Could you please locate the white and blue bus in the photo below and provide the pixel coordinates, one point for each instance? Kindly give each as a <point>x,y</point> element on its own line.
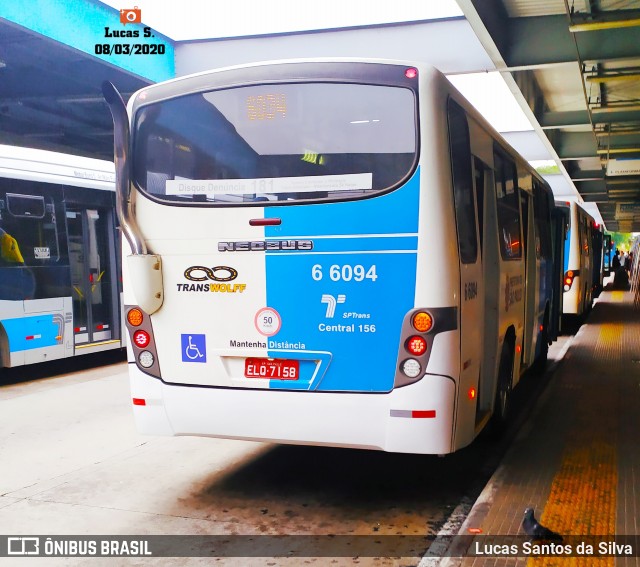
<point>327,252</point>
<point>582,267</point>
<point>60,291</point>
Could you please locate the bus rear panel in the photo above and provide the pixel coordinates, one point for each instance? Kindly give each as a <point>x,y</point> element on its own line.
<point>303,227</point>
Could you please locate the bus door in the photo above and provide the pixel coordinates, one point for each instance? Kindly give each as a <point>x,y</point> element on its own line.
<point>532,295</point>
<point>93,278</point>
<point>484,188</point>
<point>470,261</point>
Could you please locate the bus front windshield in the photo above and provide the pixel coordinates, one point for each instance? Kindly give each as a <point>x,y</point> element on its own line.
<point>276,142</point>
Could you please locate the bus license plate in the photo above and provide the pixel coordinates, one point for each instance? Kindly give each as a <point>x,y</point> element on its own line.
<point>272,368</point>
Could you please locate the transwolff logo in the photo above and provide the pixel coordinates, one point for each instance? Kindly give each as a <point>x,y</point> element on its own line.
<point>264,245</point>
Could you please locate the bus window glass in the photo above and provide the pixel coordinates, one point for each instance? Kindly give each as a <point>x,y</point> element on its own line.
<point>30,220</point>
<point>508,208</point>
<point>285,142</point>
<point>542,218</point>
<point>462,183</point>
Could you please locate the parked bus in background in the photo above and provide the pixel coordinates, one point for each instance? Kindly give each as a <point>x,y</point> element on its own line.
<point>608,255</point>
<point>327,252</point>
<point>579,264</point>
<point>59,257</point>
<point>560,222</point>
<point>597,274</point>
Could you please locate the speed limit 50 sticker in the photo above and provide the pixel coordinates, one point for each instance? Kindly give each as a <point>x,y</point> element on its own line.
<point>268,321</point>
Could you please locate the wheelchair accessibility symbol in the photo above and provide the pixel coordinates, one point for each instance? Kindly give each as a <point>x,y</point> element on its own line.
<point>194,348</point>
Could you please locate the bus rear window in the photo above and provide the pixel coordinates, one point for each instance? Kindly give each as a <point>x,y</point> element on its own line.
<point>278,143</point>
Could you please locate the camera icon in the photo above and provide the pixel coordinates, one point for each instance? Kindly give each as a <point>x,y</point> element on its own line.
<point>130,15</point>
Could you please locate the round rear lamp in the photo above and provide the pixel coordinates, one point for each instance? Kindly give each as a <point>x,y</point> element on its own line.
<point>141,339</point>
<point>134,317</point>
<point>411,73</point>
<point>422,322</point>
<point>416,345</point>
<point>146,359</point>
<point>411,368</point>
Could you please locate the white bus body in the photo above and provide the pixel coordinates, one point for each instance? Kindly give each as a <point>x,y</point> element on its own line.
<point>327,252</point>
<point>579,263</point>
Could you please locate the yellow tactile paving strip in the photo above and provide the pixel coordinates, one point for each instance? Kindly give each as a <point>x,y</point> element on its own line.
<point>576,461</point>
<point>583,500</point>
<point>583,495</point>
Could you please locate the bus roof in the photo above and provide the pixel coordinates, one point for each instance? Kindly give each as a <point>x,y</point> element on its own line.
<point>53,167</point>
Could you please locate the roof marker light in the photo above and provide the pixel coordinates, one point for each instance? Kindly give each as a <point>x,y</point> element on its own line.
<point>411,73</point>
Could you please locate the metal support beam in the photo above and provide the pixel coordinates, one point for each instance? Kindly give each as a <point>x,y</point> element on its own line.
<point>576,145</point>
<point>545,40</point>
<point>611,19</point>
<point>564,119</point>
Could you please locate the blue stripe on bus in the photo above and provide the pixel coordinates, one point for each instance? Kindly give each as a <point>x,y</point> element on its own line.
<point>323,306</point>
<point>27,333</point>
<point>567,250</point>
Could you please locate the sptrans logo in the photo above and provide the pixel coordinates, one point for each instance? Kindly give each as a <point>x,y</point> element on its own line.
<point>217,279</point>
<point>131,15</point>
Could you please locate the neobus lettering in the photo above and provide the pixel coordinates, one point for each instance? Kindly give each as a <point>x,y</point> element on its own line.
<point>262,245</point>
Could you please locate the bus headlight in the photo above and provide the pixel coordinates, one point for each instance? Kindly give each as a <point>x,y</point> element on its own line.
<point>411,368</point>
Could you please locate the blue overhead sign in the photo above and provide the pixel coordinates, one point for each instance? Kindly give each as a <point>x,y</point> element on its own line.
<point>118,37</point>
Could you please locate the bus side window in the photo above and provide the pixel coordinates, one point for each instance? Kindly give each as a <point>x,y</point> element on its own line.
<point>479,173</point>
<point>462,183</point>
<point>541,212</point>
<point>508,208</point>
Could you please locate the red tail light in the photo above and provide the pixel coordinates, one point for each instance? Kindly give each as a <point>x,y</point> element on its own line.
<point>416,345</point>
<point>141,339</point>
<point>568,280</point>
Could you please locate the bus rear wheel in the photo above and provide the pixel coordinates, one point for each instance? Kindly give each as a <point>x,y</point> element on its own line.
<point>541,362</point>
<point>502,403</point>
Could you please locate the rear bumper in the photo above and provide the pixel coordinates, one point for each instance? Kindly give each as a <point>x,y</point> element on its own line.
<point>411,419</point>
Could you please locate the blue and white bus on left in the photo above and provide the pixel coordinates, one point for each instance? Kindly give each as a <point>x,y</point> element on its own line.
<point>60,290</point>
